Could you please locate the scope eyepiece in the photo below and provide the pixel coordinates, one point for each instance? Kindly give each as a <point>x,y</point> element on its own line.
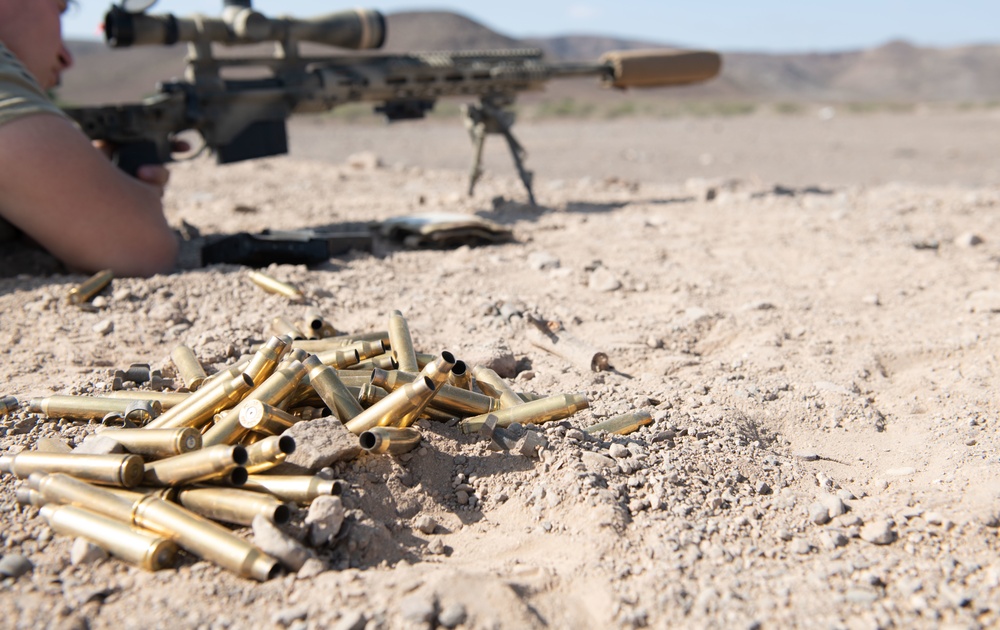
<point>123,29</point>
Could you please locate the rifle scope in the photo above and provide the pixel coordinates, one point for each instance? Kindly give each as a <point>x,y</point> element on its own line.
<point>358,29</point>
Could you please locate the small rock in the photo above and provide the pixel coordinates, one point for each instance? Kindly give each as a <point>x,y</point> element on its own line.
<point>326,515</point>
<point>462,497</point>
<point>85,552</point>
<point>807,456</point>
<point>311,568</point>
<point>878,532</point>
<point>286,616</point>
<point>818,513</point>
<point>763,488</point>
<point>602,280</point>
<point>596,462</point>
<point>452,615</point>
<point>832,539</point>
<point>418,608</point>
<point>425,524</point>
<point>104,327</point>
<point>14,565</point>
<point>495,355</point>
<point>969,239</point>
<point>318,443</point>
<point>364,161</point>
<point>618,451</point>
<point>800,546</point>
<point>351,620</point>
<point>436,547</point>
<point>99,445</point>
<point>276,543</point>
<point>540,261</point>
<point>834,504</point>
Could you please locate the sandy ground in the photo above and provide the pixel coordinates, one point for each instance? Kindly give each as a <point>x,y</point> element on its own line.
<point>819,358</point>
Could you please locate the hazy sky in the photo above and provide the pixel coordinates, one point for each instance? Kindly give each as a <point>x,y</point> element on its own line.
<point>764,25</point>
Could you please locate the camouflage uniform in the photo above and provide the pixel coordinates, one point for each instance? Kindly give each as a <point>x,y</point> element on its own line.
<point>20,96</point>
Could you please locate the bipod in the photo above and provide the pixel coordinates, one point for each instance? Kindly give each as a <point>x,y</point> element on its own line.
<point>490,118</point>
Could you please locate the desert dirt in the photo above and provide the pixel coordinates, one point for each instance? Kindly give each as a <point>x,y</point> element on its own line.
<point>807,306</point>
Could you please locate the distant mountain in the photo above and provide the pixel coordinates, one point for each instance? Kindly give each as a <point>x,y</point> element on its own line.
<point>896,72</point>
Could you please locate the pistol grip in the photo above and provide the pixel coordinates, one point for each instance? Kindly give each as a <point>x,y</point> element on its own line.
<point>129,157</point>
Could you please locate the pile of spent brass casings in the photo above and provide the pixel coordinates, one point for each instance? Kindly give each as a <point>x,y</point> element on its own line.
<point>205,453</point>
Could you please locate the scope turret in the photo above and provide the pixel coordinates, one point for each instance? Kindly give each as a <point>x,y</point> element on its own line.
<point>357,29</point>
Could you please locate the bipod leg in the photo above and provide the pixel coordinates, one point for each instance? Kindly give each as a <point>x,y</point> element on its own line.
<point>518,153</point>
<point>478,134</point>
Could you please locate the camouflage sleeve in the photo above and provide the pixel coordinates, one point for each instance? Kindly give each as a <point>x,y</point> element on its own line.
<point>20,95</point>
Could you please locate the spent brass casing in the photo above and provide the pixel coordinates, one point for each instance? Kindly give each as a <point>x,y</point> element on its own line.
<point>265,360</point>
<point>197,410</point>
<point>339,358</point>
<point>383,362</point>
<point>90,287</point>
<point>393,407</point>
<point>534,412</point>
<point>188,367</point>
<point>84,407</point>
<point>8,404</point>
<point>423,358</point>
<point>460,376</point>
<point>281,325</point>
<point>204,538</point>
<point>369,394</point>
<point>354,378</point>
<point>231,505</point>
<point>437,371</point>
<point>293,355</point>
<point>167,400</point>
<point>273,285</point>
<point>228,430</point>
<point>341,341</point>
<point>324,381</point>
<point>29,496</point>
<point>156,442</point>
<point>261,417</point>
<point>493,385</point>
<point>62,488</point>
<point>192,532</point>
<point>460,402</point>
<point>150,551</point>
<point>622,424</point>
<point>112,470</point>
<point>313,324</point>
<point>207,463</point>
<point>227,373</point>
<point>393,440</point>
<point>268,452</point>
<point>402,343</point>
<point>295,488</point>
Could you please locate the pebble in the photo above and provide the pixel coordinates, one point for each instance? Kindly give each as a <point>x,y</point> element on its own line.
<point>618,451</point>
<point>286,616</point>
<point>276,543</point>
<point>425,524</point>
<point>85,552</point>
<point>418,608</point>
<point>832,539</point>
<point>807,456</point>
<point>436,547</point>
<point>878,532</point>
<point>834,504</point>
<point>596,462</point>
<point>351,620</point>
<point>763,488</point>
<point>968,239</point>
<point>540,261</point>
<point>800,546</point>
<point>452,616</point>
<point>311,568</point>
<point>818,513</point>
<point>325,516</point>
<point>104,327</point>
<point>603,280</point>
<point>15,565</point>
